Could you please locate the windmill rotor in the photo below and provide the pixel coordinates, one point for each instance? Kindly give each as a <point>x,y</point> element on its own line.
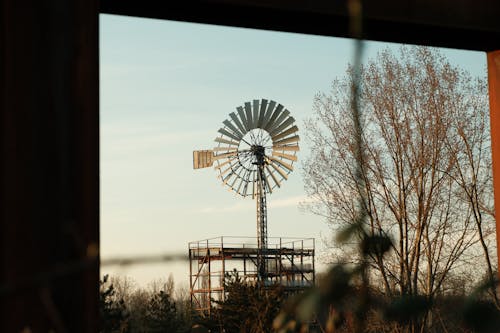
<point>259,134</point>
<point>254,153</point>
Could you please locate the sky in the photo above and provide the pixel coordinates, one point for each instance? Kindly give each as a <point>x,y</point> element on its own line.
<point>165,89</point>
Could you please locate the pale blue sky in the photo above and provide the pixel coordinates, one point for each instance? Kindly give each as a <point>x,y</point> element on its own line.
<point>165,89</point>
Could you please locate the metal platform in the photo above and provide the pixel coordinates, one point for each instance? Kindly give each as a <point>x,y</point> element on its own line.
<point>289,262</point>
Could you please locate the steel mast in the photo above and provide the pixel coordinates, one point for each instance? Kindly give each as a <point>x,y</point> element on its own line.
<point>259,152</point>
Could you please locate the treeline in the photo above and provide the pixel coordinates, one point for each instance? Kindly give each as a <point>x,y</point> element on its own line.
<point>163,308</point>
<point>158,308</point>
<point>247,308</point>
<point>341,302</point>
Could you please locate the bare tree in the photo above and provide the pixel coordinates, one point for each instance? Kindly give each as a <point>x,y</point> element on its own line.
<point>162,284</point>
<point>472,171</point>
<point>426,171</point>
<point>135,309</point>
<point>124,286</point>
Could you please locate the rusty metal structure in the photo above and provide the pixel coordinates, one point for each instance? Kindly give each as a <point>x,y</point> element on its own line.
<point>289,262</point>
<point>255,153</point>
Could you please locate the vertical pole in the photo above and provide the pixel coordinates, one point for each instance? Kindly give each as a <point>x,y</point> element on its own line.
<point>302,262</point>
<point>313,265</point>
<point>244,264</point>
<point>493,60</point>
<point>280,261</point>
<point>209,280</point>
<point>261,223</point>
<point>223,296</point>
<point>190,277</point>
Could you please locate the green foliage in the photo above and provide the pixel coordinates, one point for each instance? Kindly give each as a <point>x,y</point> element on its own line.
<point>376,245</point>
<point>161,315</point>
<point>479,314</point>
<point>406,309</point>
<point>482,316</point>
<point>248,308</point>
<point>141,311</point>
<point>113,312</point>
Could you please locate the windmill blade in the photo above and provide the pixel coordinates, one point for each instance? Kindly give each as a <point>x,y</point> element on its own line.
<point>278,121</point>
<point>226,155</point>
<point>288,157</point>
<point>266,182</point>
<point>248,112</point>
<point>294,138</point>
<point>229,142</point>
<point>282,163</point>
<point>217,167</point>
<point>255,113</point>
<point>287,148</point>
<point>283,125</point>
<point>273,177</point>
<point>269,112</point>
<point>263,106</point>
<point>225,180</point>
<point>275,115</point>
<point>222,173</point>
<point>245,188</point>
<point>233,174</point>
<point>289,131</point>
<point>225,149</point>
<point>242,180</point>
<point>281,172</point>
<point>241,113</point>
<point>229,134</point>
<point>233,128</point>
<point>234,167</point>
<point>238,123</point>
<point>234,181</point>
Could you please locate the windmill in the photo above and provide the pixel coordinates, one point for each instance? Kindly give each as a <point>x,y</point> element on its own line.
<point>254,154</point>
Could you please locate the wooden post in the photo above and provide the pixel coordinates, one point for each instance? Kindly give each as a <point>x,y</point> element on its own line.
<point>494,93</point>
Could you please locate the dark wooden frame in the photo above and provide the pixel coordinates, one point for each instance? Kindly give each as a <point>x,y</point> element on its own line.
<point>49,125</point>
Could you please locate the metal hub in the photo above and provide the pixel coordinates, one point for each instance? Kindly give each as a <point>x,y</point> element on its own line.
<point>260,154</point>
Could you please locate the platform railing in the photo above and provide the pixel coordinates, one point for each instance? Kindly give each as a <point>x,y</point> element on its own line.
<point>251,242</point>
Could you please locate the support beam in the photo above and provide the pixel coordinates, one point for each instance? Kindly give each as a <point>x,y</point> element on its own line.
<point>446,23</point>
<point>494,93</point>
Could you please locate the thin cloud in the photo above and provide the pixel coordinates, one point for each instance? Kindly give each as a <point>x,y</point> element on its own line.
<point>128,143</point>
<point>287,202</point>
<point>250,206</point>
<point>238,207</point>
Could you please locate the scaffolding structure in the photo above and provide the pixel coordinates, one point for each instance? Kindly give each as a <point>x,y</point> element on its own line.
<point>289,262</point>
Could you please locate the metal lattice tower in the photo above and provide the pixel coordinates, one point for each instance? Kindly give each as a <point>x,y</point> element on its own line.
<point>261,223</point>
